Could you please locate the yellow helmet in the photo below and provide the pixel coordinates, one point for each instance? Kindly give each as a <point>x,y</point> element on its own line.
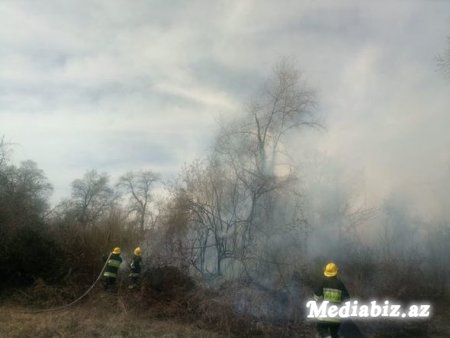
<point>331,270</point>
<point>116,250</point>
<point>138,251</point>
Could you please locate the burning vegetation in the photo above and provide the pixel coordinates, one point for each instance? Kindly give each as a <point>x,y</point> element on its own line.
<point>237,242</point>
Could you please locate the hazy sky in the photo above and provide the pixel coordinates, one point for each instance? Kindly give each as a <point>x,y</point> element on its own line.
<point>125,85</point>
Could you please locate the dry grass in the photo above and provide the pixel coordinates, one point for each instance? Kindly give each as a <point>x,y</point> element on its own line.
<point>137,314</point>
<point>152,311</point>
<point>103,315</point>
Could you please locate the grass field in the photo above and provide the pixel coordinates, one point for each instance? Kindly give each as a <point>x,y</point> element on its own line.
<point>100,316</point>
<point>114,315</point>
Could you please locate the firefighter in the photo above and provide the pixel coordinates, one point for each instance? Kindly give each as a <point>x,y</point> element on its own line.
<point>334,291</point>
<point>135,267</point>
<point>112,268</point>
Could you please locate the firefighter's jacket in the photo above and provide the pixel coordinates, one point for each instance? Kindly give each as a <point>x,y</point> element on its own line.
<point>332,290</point>
<point>112,266</point>
<point>135,266</point>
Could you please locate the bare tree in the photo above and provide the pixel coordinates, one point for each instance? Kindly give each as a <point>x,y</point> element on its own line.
<point>138,185</point>
<point>24,191</point>
<point>5,151</point>
<point>91,196</point>
<point>169,244</point>
<point>284,105</point>
<point>443,61</point>
<point>234,194</point>
<point>252,146</point>
<point>215,214</point>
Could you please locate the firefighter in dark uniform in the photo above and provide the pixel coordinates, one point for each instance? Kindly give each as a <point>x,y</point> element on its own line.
<point>135,267</point>
<point>112,268</point>
<point>334,291</point>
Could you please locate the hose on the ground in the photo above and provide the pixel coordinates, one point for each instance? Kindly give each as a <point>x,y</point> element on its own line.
<point>59,308</point>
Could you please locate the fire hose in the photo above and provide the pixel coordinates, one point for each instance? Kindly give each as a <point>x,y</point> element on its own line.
<point>59,308</point>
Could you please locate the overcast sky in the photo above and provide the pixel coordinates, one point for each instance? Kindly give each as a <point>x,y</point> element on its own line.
<point>125,85</point>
